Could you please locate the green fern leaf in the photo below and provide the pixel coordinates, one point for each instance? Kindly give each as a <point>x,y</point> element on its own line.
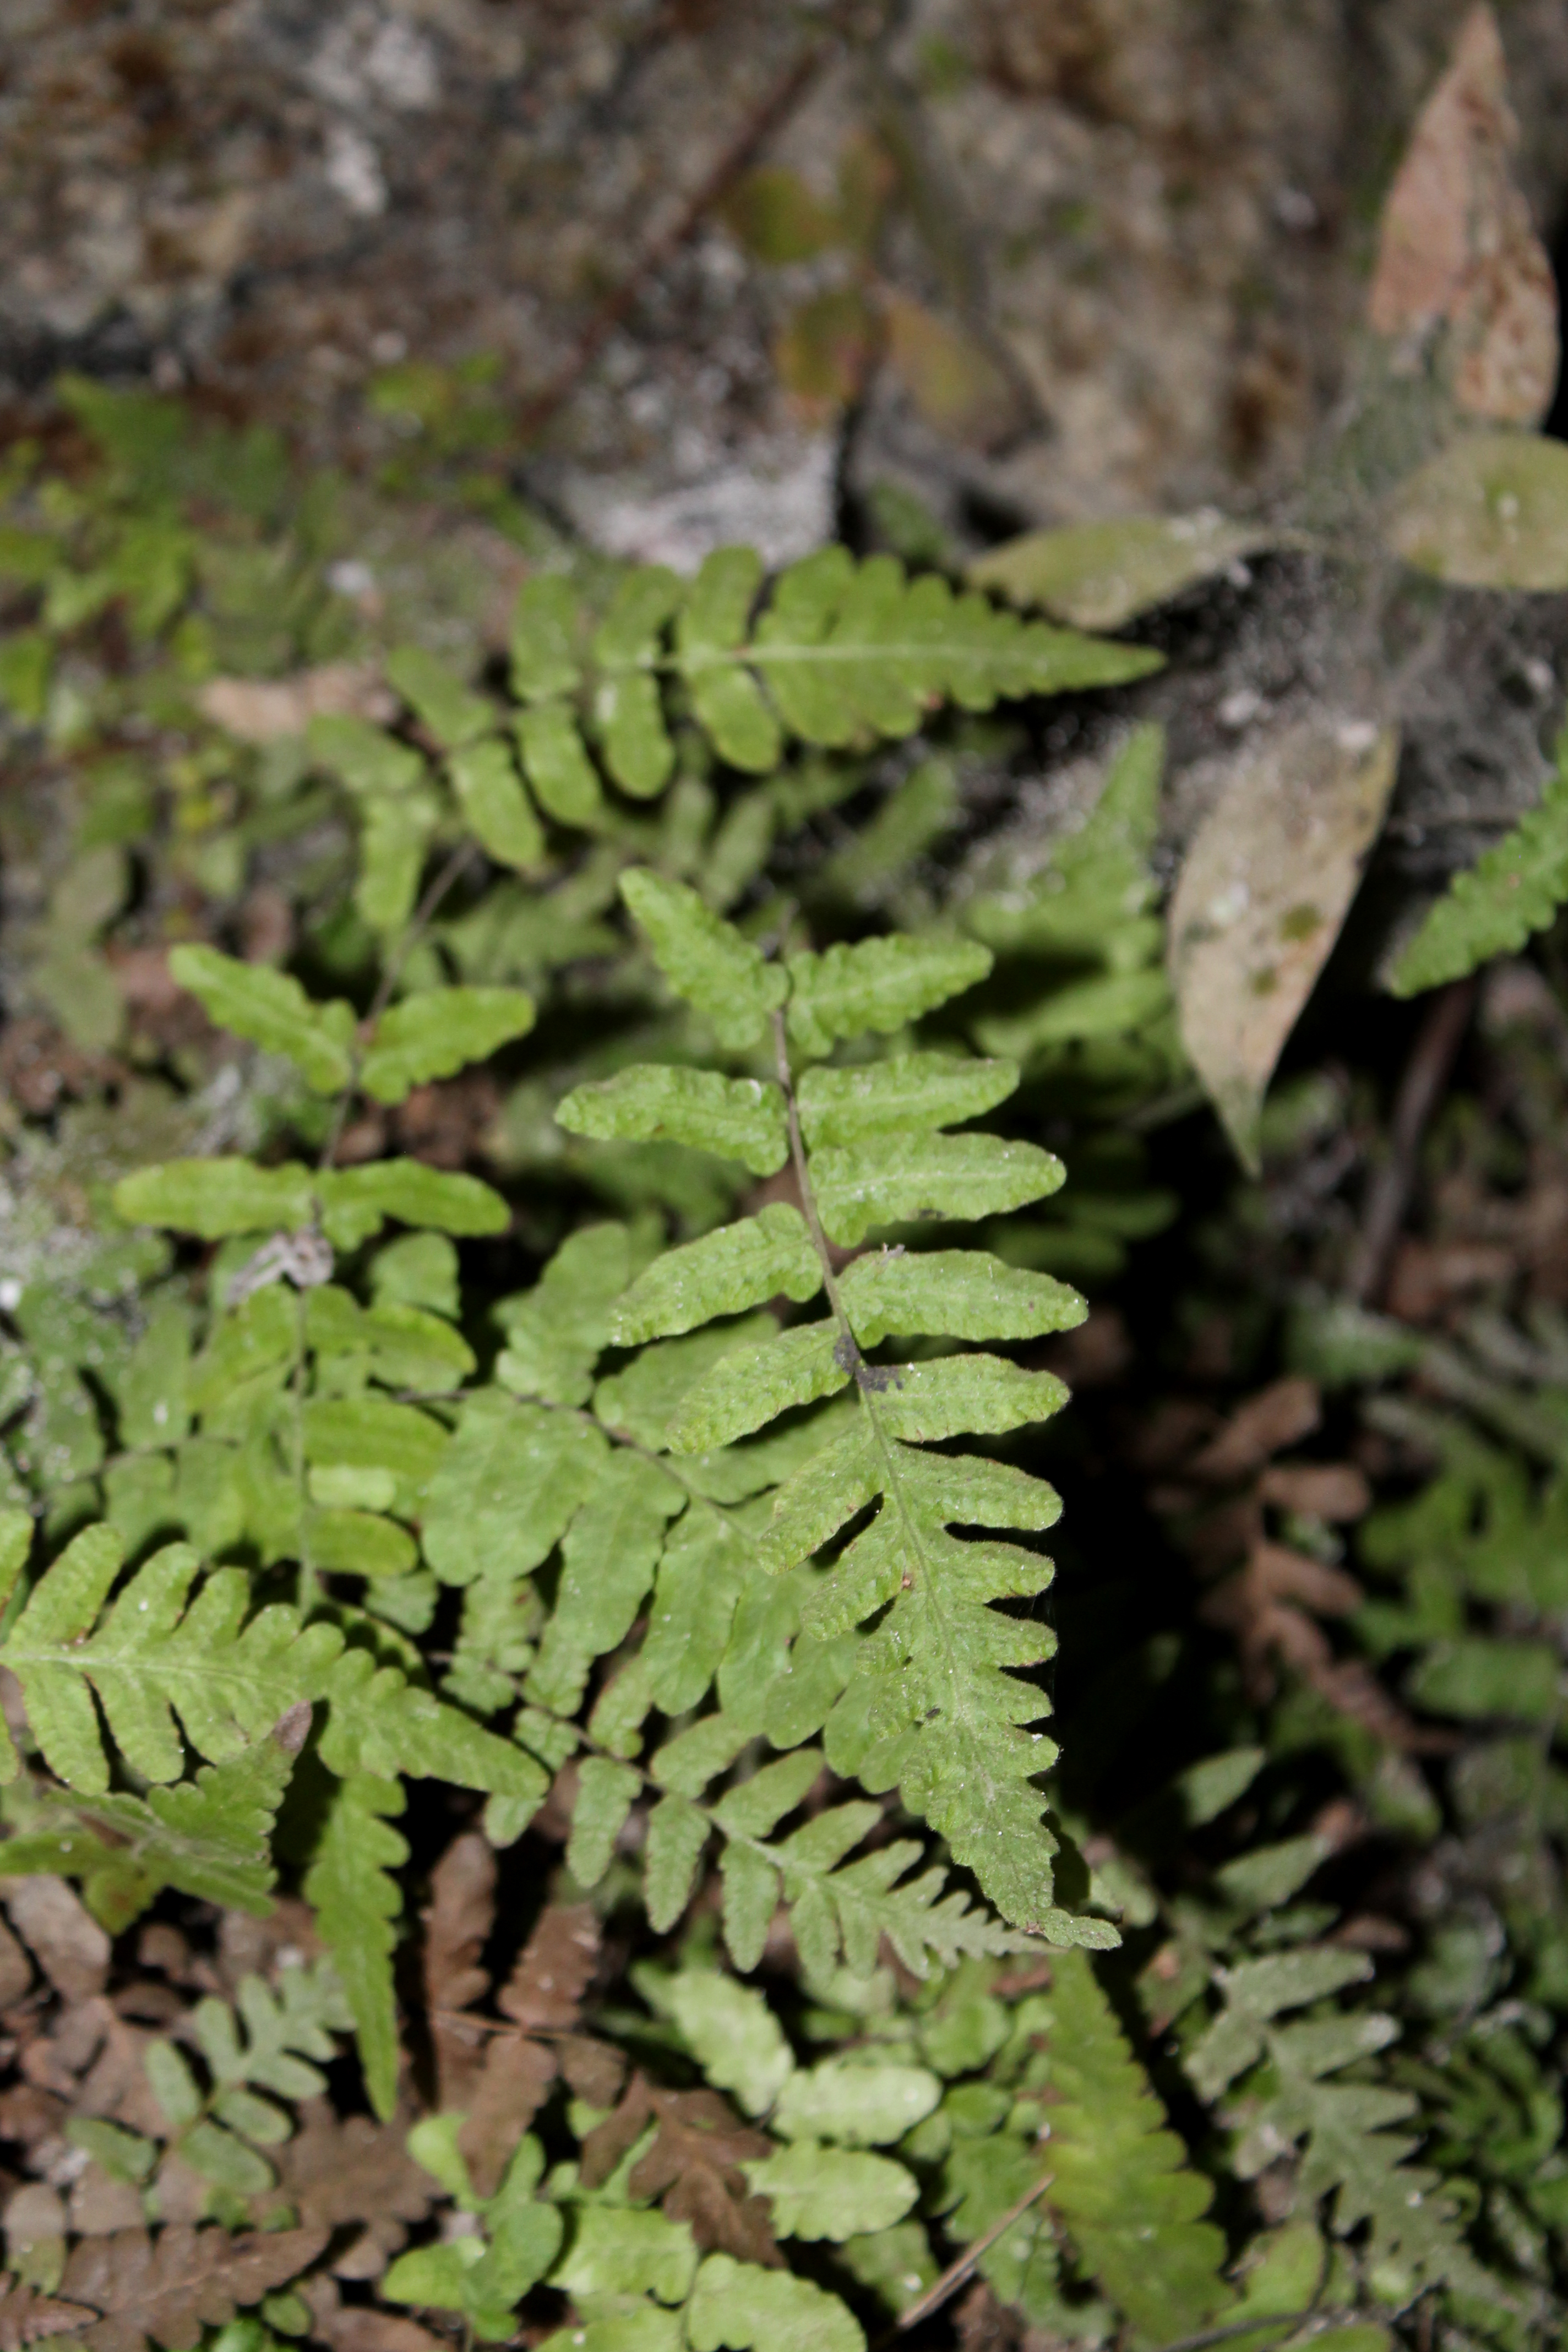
<point>903,1179</point>
<point>835,2193</point>
<point>555,760</point>
<point>855,2105</point>
<point>606,1794</point>
<point>556,1331</point>
<point>710,636</point>
<point>873,1099</point>
<point>744,2308</point>
<point>876,984</point>
<point>1098,881</point>
<point>379,1723</point>
<point>844,649</point>
<point>627,704</point>
<point>1516,888</point>
<point>705,959</point>
<point>496,809</point>
<point>216,1197</point>
<point>1350,2152</point>
<point>608,1558</point>
<point>545,630</point>
<point>156,1654</point>
<point>372,764</point>
<point>212,1837</point>
<point>356,1202</point>
<point>403,1347</point>
<point>752,1386</point>
<point>677,1834</point>
<point>739,1118</point>
<point>440,701</point>
<point>700,1577</point>
<point>396,836</point>
<point>272,1010</point>
<point>357,1902</point>
<point>769,1255</point>
<point>507,1488</point>
<point>959,1294</point>
<point>434,1034</point>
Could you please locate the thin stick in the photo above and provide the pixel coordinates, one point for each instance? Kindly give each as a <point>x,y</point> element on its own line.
<point>657,255</point>
<point>953,2278</point>
<point>1420,1089</point>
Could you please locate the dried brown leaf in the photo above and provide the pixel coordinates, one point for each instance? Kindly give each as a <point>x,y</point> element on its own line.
<point>163,2290</point>
<point>62,1934</point>
<point>458,1923</point>
<point>1268,881</point>
<point>26,2317</point>
<point>500,2079</point>
<point>1456,247</point>
<point>258,710</point>
<point>1276,1417</point>
<point>100,2206</point>
<point>361,2327</point>
<point>502,2102</point>
<point>1336,1491</point>
<point>337,2173</point>
<point>15,1969</point>
<point>693,2163</point>
<point>544,1992</point>
<point>30,2113</point>
<point>1280,1574</point>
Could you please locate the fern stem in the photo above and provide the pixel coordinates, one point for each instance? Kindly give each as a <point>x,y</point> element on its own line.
<point>413,931</point>
<point>846,1342</point>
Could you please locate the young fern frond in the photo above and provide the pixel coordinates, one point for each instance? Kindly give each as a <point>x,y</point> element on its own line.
<point>924,1701</point>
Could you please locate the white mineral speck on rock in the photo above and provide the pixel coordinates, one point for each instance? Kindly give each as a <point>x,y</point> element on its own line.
<point>353,171</point>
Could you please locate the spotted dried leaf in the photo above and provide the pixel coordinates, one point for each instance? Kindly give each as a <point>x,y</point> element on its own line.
<point>1457,248</point>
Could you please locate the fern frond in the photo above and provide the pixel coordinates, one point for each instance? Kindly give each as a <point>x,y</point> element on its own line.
<point>931,1705</point>
<point>1514,889</point>
<point>1350,2154</point>
<point>1121,2181</point>
<point>155,1653</point>
<point>357,1902</point>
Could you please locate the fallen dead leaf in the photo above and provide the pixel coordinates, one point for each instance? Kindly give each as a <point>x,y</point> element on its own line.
<point>1278,1416</point>
<point>1268,881</point>
<point>259,711</point>
<point>1336,1491</point>
<point>165,2287</point>
<point>1456,246</point>
<point>1490,512</point>
<point>952,379</point>
<point>1098,575</point>
<point>61,1933</point>
<point>693,2164</point>
<point>15,1969</point>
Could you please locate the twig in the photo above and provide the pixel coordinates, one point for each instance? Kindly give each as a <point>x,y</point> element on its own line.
<point>657,254</point>
<point>953,2278</point>
<point>1388,1196</point>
